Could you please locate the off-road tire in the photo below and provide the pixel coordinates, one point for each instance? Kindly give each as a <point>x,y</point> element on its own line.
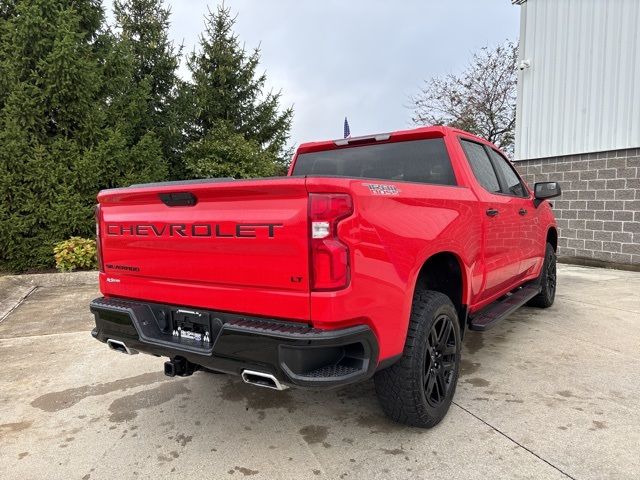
<point>547,280</point>
<point>402,388</point>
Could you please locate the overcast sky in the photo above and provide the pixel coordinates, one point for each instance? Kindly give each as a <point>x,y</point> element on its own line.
<point>358,58</point>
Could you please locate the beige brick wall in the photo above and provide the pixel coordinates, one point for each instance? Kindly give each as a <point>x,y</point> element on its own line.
<point>599,210</point>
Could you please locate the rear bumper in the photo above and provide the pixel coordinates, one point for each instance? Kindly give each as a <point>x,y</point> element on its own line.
<point>296,354</point>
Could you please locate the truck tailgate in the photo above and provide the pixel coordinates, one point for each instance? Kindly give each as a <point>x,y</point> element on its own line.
<point>240,246</point>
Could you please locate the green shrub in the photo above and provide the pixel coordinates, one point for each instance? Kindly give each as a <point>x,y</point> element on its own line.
<point>76,254</point>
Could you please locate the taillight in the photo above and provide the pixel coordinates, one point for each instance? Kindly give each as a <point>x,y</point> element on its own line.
<point>330,268</point>
<point>98,240</point>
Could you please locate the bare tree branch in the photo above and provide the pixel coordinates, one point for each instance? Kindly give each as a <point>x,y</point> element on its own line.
<point>481,100</point>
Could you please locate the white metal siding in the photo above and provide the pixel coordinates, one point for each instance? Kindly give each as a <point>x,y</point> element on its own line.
<point>582,90</point>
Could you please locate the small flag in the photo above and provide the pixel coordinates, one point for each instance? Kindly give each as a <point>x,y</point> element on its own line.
<point>347,130</point>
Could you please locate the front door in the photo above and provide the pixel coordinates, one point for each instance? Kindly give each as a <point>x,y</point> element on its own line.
<point>526,220</point>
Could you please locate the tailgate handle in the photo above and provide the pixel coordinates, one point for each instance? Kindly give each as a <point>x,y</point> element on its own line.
<point>178,199</point>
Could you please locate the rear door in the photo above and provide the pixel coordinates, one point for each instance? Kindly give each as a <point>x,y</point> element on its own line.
<point>501,242</point>
<point>240,246</point>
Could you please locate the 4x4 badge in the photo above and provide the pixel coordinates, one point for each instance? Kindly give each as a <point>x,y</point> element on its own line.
<point>382,189</point>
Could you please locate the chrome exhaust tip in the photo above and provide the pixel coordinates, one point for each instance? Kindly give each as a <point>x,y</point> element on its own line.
<point>260,379</point>
<point>119,346</point>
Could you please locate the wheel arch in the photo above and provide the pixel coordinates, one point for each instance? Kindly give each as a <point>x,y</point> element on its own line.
<point>445,272</point>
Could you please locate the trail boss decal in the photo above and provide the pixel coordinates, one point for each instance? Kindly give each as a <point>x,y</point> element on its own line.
<point>124,268</point>
<point>238,230</point>
<point>382,189</point>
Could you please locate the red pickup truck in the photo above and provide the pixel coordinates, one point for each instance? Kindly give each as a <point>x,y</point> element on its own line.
<point>370,259</point>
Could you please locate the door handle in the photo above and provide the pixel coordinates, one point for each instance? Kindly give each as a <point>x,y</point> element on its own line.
<point>492,212</point>
<point>522,211</point>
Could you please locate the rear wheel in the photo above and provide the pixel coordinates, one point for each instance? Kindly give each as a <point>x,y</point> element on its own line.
<point>548,280</point>
<point>418,389</point>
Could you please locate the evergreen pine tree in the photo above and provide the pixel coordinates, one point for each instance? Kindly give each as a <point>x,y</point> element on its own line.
<point>237,129</point>
<point>50,115</point>
<point>152,84</point>
<point>82,108</point>
<point>72,121</point>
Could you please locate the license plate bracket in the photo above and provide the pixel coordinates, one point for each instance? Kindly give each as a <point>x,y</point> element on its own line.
<point>192,325</point>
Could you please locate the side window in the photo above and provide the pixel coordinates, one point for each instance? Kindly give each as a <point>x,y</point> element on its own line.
<point>513,184</point>
<point>481,166</point>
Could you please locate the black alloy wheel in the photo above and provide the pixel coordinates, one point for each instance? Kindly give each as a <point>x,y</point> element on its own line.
<point>548,280</point>
<point>551,274</point>
<point>440,361</point>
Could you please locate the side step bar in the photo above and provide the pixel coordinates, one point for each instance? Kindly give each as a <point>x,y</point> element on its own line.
<point>500,309</point>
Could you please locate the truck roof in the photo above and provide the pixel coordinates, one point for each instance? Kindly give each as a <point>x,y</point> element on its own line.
<point>397,136</point>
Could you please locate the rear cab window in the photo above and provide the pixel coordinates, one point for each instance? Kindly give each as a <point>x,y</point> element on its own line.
<point>421,161</point>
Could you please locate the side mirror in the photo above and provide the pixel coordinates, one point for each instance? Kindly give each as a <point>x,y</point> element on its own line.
<point>545,190</point>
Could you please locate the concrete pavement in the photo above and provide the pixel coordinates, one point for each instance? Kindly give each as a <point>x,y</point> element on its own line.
<point>546,394</point>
